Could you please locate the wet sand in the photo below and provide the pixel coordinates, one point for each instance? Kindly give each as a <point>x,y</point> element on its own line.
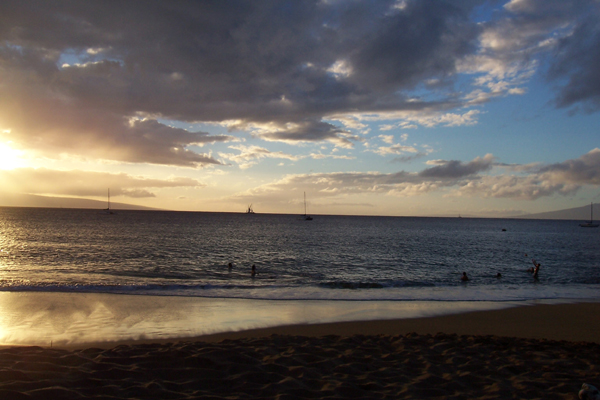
<point>528,352</point>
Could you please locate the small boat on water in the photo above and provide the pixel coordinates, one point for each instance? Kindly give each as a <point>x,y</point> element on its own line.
<point>591,223</point>
<point>108,210</point>
<point>306,217</point>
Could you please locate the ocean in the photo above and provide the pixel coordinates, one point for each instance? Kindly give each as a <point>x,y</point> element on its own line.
<point>402,259</point>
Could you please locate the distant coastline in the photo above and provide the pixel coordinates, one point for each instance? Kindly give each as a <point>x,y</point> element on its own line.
<point>577,213</point>
<point>33,201</point>
<point>26,200</point>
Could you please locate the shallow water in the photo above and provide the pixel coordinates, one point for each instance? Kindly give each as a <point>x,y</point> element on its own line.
<point>331,257</point>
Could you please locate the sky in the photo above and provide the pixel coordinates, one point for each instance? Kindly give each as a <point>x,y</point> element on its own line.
<point>399,108</point>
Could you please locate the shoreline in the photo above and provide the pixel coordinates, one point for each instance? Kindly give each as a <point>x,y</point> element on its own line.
<point>570,322</point>
<point>73,319</point>
<point>551,350</point>
<point>573,322</point>
<point>76,320</point>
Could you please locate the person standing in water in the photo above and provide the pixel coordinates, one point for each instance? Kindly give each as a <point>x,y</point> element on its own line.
<point>537,269</point>
<point>253,270</point>
<point>464,277</point>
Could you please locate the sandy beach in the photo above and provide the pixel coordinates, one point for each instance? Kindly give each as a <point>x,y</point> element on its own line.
<point>529,352</point>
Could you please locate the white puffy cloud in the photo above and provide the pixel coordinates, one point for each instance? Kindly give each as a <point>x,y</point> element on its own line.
<point>249,155</point>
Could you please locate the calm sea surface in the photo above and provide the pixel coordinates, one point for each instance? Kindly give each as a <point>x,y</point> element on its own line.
<point>331,257</point>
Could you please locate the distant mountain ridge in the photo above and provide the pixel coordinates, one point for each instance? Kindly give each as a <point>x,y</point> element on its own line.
<point>29,200</point>
<point>578,213</point>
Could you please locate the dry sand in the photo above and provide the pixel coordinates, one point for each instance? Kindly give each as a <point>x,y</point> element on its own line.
<point>533,352</point>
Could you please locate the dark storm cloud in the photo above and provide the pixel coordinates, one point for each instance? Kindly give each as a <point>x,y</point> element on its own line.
<point>268,62</point>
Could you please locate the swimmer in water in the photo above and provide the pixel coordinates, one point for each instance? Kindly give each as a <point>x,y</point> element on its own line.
<point>537,266</point>
<point>537,269</point>
<point>533,270</point>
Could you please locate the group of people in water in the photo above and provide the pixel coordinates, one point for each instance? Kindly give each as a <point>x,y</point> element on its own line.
<point>533,270</point>
<point>465,278</point>
<point>252,270</point>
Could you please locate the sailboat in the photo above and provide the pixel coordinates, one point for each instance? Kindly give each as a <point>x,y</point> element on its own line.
<point>306,217</point>
<point>250,210</point>
<point>590,224</point>
<point>108,210</point>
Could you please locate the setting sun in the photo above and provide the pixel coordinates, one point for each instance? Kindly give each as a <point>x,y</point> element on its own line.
<point>9,157</point>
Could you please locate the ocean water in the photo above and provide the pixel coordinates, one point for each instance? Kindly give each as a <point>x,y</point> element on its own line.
<point>328,258</point>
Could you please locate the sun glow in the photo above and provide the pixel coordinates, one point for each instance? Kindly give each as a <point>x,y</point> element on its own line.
<point>10,158</point>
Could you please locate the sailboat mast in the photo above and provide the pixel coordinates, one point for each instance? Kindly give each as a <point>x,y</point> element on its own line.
<point>109,198</point>
<point>304,203</point>
<point>591,223</point>
<point>306,216</point>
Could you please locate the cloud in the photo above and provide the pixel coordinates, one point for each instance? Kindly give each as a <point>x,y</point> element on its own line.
<point>45,181</point>
<point>54,127</point>
<point>410,158</point>
<point>457,169</point>
<point>584,170</point>
<point>319,156</point>
<point>449,178</point>
<point>301,131</point>
<point>447,174</point>
<point>249,155</point>
<point>396,149</point>
<point>389,139</point>
<point>577,62</point>
<point>567,32</point>
<point>74,76</point>
<point>525,33</point>
<point>75,71</point>
<point>515,187</point>
<point>564,178</point>
<point>428,118</point>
